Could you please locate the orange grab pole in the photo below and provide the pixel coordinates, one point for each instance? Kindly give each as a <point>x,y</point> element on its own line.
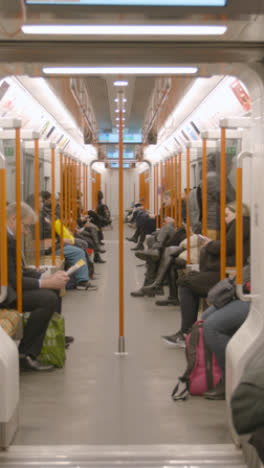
<point>72,192</point>
<point>175,192</point>
<point>157,195</point>
<point>69,192</point>
<point>187,206</point>
<point>61,205</point>
<point>75,195</point>
<point>166,184</point>
<point>66,190</point>
<point>161,194</point>
<point>18,224</point>
<point>171,186</point>
<point>37,236</point>
<point>87,189</point>
<point>223,203</point>
<point>204,189</point>
<point>84,189</point>
<point>121,245</point>
<point>239,227</point>
<point>154,188</point>
<point>53,247</point>
<point>180,197</point>
<point>3,265</point>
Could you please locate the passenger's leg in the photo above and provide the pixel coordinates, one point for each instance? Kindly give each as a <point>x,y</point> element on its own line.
<point>42,303</point>
<point>74,254</point>
<point>189,302</point>
<point>221,325</point>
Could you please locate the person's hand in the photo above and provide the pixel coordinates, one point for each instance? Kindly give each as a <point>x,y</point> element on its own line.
<point>56,281</point>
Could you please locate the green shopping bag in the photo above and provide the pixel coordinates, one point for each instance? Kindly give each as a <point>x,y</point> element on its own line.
<point>53,348</point>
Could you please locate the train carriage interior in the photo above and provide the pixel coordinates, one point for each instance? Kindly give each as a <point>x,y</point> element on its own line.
<point>131,156</point>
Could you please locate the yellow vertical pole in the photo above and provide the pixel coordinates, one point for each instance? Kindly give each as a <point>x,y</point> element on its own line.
<point>223,203</point>
<point>204,189</point>
<point>37,236</point>
<point>121,245</point>
<point>157,195</point>
<point>180,197</point>
<point>176,191</point>
<point>84,188</point>
<point>53,247</point>
<point>61,205</point>
<point>239,227</point>
<point>74,194</point>
<point>154,188</point>
<point>171,185</point>
<point>87,189</point>
<point>3,247</point>
<point>161,194</point>
<point>69,193</point>
<point>18,224</point>
<point>187,206</point>
<point>71,203</point>
<point>66,190</point>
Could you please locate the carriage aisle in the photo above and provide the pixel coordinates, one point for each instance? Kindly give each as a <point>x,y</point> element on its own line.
<point>102,398</point>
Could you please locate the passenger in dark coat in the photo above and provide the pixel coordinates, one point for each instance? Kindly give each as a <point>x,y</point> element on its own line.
<point>38,295</point>
<point>195,285</point>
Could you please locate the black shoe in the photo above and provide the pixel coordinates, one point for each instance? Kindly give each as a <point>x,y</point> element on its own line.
<point>27,363</point>
<point>101,251</point>
<point>101,243</point>
<point>131,239</point>
<point>141,293</point>
<point>149,253</point>
<point>218,393</point>
<point>67,345</point>
<point>69,339</point>
<point>153,288</point>
<point>99,260</point>
<point>167,302</point>
<point>138,247</point>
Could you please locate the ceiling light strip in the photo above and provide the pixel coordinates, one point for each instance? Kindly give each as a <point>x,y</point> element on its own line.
<point>126,29</point>
<point>119,70</point>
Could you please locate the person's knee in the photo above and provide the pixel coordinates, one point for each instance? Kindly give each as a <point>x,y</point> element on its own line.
<point>50,300</point>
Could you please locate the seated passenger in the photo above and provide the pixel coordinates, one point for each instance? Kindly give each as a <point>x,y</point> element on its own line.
<point>195,285</point>
<point>38,295</point>
<point>156,258</point>
<point>173,259</point>
<point>71,252</point>
<point>146,223</point>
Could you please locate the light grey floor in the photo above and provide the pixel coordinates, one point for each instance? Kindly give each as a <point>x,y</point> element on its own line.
<point>102,398</point>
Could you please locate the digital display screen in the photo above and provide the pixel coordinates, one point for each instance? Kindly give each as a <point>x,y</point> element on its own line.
<point>115,165</point>
<point>150,3</point>
<point>113,153</point>
<point>127,138</point>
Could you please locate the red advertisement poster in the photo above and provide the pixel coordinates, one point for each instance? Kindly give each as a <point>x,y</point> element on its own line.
<point>241,94</point>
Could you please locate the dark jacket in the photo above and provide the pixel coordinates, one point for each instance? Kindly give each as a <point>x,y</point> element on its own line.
<point>201,282</point>
<point>30,277</point>
<point>210,254</point>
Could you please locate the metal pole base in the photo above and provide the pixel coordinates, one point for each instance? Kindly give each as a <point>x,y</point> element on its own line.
<point>121,346</point>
